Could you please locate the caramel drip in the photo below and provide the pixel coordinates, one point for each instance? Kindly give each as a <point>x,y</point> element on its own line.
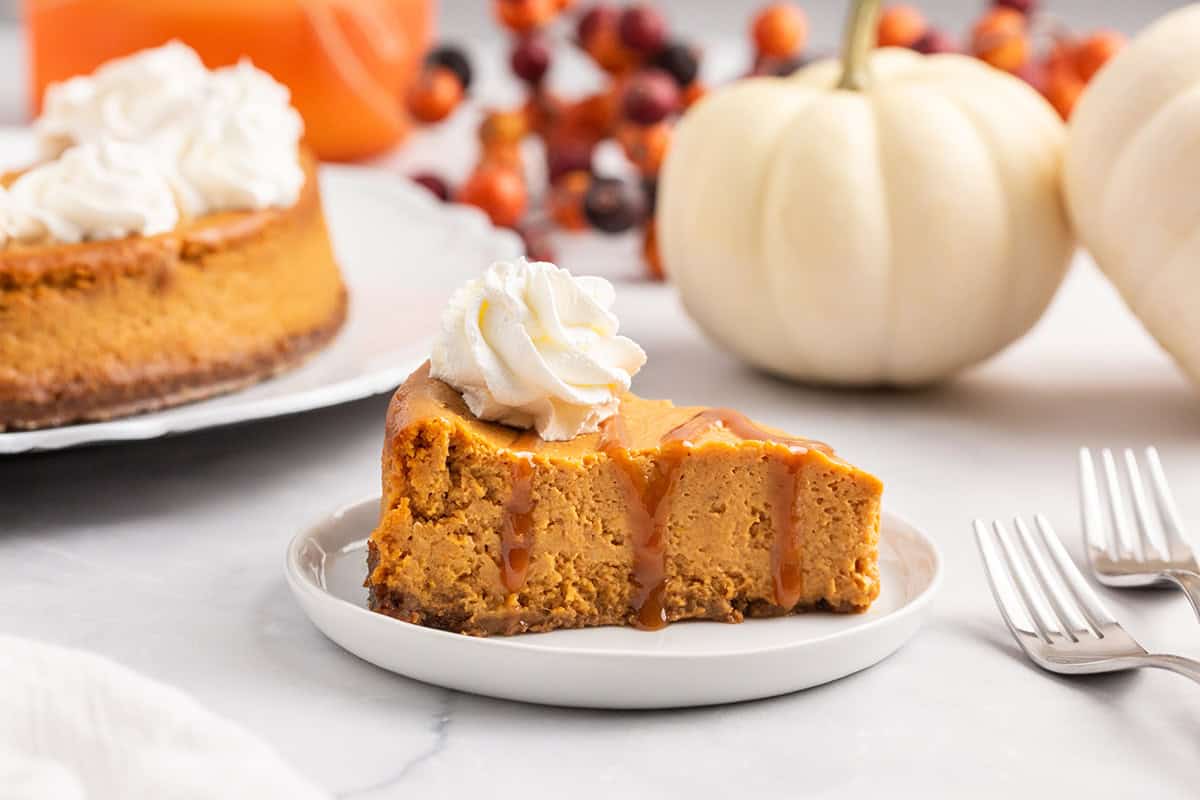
<point>782,479</point>
<point>648,514</point>
<point>614,434</point>
<point>515,538</point>
<point>526,442</point>
<point>647,500</point>
<point>740,425</point>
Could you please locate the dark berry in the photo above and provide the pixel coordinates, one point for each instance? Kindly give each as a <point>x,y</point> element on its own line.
<point>565,155</point>
<point>607,206</point>
<point>643,29</point>
<point>652,96</point>
<point>434,184</point>
<point>934,41</point>
<point>650,193</point>
<point>679,61</point>
<point>454,59</point>
<point>1024,6</point>
<point>537,243</point>
<point>591,21</point>
<point>531,58</point>
<point>778,67</point>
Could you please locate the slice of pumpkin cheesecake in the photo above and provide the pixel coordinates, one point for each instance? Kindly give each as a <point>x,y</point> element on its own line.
<point>650,514</point>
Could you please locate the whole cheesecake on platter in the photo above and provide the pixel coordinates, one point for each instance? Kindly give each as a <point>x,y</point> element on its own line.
<point>601,508</point>
<point>170,254</point>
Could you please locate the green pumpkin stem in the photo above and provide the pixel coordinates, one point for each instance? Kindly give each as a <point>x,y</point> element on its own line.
<point>858,40</point>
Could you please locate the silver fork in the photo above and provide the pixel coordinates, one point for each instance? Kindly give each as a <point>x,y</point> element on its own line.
<point>1053,614</point>
<point>1156,551</point>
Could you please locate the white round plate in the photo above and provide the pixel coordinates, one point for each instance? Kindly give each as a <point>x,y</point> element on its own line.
<point>686,664</point>
<point>401,253</point>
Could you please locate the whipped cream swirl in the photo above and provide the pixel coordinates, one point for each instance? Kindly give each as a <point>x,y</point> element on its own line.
<point>529,345</point>
<point>228,139</point>
<point>242,151</point>
<point>104,190</point>
<point>149,98</point>
<point>16,225</point>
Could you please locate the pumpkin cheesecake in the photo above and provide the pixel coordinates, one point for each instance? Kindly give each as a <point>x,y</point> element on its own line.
<point>653,514</point>
<point>165,257</point>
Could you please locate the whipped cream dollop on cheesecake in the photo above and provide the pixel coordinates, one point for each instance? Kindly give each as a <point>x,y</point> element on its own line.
<point>532,346</point>
<point>226,139</point>
<point>100,190</point>
<point>148,98</point>
<point>242,151</point>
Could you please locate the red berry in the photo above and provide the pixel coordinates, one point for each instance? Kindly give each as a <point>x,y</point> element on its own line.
<point>643,29</point>
<point>565,155</point>
<point>591,21</point>
<point>1024,6</point>
<point>439,188</point>
<point>537,243</point>
<point>531,58</point>
<point>652,96</point>
<point>934,41</point>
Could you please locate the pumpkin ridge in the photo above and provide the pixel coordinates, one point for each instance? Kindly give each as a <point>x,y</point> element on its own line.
<point>1134,146</point>
<point>885,367</point>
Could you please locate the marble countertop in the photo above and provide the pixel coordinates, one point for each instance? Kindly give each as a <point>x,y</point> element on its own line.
<point>168,556</point>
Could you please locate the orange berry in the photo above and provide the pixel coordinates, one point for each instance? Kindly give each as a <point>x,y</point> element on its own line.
<point>503,127</point>
<point>497,190</point>
<point>1001,39</point>
<point>646,146</point>
<point>592,117</point>
<point>609,52</point>
<point>522,16</point>
<point>901,26</point>
<point>566,200</point>
<point>503,154</point>
<point>654,267</point>
<point>694,92</point>
<point>435,95</point>
<point>563,5</point>
<point>1062,88</point>
<point>780,31</point>
<point>542,111</point>
<point>1094,52</point>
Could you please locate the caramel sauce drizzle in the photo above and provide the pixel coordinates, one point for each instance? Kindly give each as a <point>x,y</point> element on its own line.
<point>647,503</point>
<point>786,575</point>
<point>742,426</point>
<point>648,515</point>
<point>515,535</point>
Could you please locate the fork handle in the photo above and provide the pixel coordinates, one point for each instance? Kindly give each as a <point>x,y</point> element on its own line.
<point>1177,664</point>
<point>1190,583</point>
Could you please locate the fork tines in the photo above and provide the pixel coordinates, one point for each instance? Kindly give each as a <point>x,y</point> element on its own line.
<point>1040,597</point>
<point>1156,536</point>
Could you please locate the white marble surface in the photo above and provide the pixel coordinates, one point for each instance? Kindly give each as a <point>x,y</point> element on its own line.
<point>168,557</point>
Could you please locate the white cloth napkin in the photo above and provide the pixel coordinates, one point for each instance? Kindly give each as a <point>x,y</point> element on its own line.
<point>75,726</point>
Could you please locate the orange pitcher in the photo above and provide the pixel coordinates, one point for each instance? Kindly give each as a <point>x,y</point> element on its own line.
<point>348,63</point>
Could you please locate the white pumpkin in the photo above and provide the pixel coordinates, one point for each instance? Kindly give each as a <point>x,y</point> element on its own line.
<point>1133,179</point>
<point>892,227</point>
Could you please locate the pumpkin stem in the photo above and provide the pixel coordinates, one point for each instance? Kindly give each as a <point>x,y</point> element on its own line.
<point>857,42</point>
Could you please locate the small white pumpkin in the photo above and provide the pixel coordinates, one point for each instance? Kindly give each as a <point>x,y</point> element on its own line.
<point>892,226</point>
<point>1133,179</point>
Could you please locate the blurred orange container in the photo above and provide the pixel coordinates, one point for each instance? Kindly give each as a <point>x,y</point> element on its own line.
<point>347,62</point>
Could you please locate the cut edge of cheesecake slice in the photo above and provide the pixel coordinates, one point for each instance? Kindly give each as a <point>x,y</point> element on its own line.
<point>667,513</point>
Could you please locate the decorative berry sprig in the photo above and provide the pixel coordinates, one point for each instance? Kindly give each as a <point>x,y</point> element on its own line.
<point>653,78</point>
